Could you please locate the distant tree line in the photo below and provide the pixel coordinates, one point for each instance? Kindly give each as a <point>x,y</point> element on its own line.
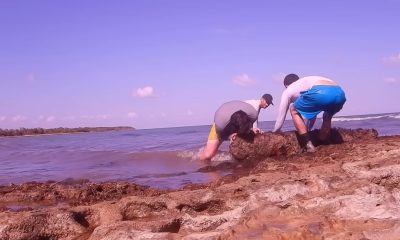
<point>37,131</point>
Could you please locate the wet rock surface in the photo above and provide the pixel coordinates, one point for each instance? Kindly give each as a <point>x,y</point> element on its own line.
<point>343,191</point>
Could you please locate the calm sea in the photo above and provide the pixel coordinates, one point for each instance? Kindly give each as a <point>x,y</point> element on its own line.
<point>163,158</point>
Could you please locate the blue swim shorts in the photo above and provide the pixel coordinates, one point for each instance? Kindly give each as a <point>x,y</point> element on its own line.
<point>327,98</point>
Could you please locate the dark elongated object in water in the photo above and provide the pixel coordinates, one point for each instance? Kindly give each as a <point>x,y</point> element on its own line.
<point>286,143</point>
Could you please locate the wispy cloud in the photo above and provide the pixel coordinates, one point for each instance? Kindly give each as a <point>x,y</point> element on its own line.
<point>132,114</point>
<point>392,60</point>
<point>243,80</point>
<point>189,112</point>
<point>47,118</point>
<point>278,77</point>
<point>50,119</point>
<point>18,118</point>
<point>103,116</point>
<point>100,116</point>
<point>144,92</point>
<point>2,118</point>
<point>70,118</point>
<point>30,78</point>
<point>391,80</point>
<point>86,117</point>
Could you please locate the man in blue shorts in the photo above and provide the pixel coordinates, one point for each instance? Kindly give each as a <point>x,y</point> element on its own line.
<point>306,97</point>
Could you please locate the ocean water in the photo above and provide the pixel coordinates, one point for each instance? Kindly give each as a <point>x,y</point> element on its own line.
<point>162,158</point>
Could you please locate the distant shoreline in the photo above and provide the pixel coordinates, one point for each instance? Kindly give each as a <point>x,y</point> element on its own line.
<point>53,131</point>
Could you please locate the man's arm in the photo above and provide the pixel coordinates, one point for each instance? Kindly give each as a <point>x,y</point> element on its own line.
<point>283,108</point>
<point>255,124</point>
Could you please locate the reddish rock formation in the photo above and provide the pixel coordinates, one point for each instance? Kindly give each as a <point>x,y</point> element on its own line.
<point>287,144</point>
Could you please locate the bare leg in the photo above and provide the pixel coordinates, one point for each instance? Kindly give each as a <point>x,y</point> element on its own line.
<point>302,130</point>
<point>210,150</point>
<point>298,121</point>
<point>325,130</point>
<point>310,123</point>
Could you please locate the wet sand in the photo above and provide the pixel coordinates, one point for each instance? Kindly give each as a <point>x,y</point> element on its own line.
<point>346,190</point>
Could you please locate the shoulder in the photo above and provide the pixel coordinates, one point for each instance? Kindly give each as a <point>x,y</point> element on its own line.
<point>314,78</point>
<point>235,104</point>
<point>253,102</point>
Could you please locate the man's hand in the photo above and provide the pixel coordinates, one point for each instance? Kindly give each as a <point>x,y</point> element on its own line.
<point>232,137</point>
<point>257,130</point>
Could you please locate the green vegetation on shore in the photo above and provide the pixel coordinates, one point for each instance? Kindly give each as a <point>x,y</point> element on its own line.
<point>60,130</point>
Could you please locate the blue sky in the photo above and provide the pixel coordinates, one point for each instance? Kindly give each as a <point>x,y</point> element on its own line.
<point>162,63</point>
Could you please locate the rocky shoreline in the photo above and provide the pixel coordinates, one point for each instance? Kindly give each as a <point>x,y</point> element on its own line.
<point>348,189</point>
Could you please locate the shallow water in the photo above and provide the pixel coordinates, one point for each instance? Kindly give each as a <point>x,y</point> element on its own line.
<point>163,158</point>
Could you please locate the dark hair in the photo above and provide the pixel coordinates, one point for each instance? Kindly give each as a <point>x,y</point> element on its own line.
<point>289,79</point>
<point>268,98</point>
<point>239,123</point>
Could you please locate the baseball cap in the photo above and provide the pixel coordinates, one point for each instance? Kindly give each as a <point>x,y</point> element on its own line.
<point>268,98</point>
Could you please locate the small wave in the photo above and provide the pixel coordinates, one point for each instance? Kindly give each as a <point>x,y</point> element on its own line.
<point>187,132</point>
<point>194,155</point>
<point>344,119</point>
<point>154,155</point>
<point>161,175</point>
<point>135,134</point>
<point>191,154</point>
<point>222,157</point>
<point>360,118</point>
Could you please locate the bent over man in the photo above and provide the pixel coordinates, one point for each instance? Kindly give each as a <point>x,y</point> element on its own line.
<point>231,119</point>
<point>306,97</point>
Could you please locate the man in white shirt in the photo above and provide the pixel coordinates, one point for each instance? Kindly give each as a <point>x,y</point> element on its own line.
<point>306,97</point>
<point>262,103</point>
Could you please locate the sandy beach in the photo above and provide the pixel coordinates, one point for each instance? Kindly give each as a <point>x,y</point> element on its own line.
<point>343,191</point>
